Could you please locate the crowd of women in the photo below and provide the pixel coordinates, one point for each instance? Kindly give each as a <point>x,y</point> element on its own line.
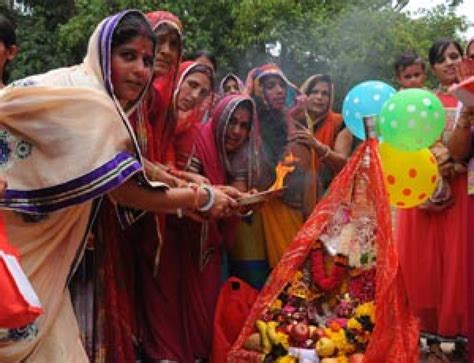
<point>121,181</point>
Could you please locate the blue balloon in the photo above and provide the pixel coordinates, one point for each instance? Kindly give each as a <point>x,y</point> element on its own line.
<point>365,99</point>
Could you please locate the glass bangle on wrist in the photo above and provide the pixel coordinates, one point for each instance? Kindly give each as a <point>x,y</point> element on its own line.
<point>211,199</point>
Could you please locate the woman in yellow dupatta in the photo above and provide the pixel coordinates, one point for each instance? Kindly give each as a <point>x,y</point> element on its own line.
<point>57,166</point>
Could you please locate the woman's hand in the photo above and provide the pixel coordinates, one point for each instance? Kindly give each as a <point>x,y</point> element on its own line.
<point>160,173</point>
<point>193,177</point>
<point>297,111</point>
<point>305,138</point>
<point>231,191</point>
<point>224,205</point>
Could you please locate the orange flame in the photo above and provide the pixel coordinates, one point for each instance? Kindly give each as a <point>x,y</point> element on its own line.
<point>282,169</point>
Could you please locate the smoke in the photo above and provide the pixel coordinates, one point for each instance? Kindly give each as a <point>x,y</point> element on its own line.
<point>357,44</point>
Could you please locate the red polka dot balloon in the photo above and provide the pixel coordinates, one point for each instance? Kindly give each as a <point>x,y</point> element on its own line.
<point>410,176</point>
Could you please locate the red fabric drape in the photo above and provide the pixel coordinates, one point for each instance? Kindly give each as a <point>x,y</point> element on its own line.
<point>395,336</point>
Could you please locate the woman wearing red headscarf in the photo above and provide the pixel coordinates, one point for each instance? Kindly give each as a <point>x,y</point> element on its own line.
<point>160,273</point>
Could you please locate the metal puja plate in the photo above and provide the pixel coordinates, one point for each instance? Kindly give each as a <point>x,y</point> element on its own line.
<point>260,197</point>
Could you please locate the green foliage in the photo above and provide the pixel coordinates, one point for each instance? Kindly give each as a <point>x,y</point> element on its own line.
<point>353,41</point>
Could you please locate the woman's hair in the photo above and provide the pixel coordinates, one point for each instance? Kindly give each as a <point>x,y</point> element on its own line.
<point>324,78</point>
<point>8,37</point>
<point>7,31</point>
<point>205,54</point>
<point>165,27</point>
<point>408,59</point>
<point>439,47</point>
<point>249,106</point>
<point>131,26</point>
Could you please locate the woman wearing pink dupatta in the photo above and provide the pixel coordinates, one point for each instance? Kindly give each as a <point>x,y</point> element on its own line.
<point>160,300</point>
<point>226,150</point>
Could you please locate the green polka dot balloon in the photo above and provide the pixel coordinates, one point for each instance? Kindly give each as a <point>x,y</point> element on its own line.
<point>412,119</point>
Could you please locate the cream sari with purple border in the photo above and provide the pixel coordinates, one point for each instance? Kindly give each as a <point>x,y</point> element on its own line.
<point>64,142</point>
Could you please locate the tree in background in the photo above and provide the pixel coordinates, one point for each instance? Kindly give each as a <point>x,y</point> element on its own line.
<point>354,41</point>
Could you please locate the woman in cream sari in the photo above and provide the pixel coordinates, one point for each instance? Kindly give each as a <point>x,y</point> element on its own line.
<point>57,167</point>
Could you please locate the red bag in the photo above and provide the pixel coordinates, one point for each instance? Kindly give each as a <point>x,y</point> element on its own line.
<point>233,306</point>
<point>19,304</point>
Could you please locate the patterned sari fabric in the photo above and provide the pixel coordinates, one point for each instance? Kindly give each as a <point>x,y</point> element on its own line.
<point>50,198</point>
<point>359,191</point>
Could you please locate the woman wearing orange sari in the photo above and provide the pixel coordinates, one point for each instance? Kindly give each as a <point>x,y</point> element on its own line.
<point>319,128</point>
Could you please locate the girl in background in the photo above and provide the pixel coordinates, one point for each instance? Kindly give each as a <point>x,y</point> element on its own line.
<point>231,85</point>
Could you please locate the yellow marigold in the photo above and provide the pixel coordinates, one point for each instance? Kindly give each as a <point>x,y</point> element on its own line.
<point>298,275</point>
<point>286,359</point>
<point>276,305</point>
<point>354,324</point>
<point>338,338</point>
<point>366,309</point>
